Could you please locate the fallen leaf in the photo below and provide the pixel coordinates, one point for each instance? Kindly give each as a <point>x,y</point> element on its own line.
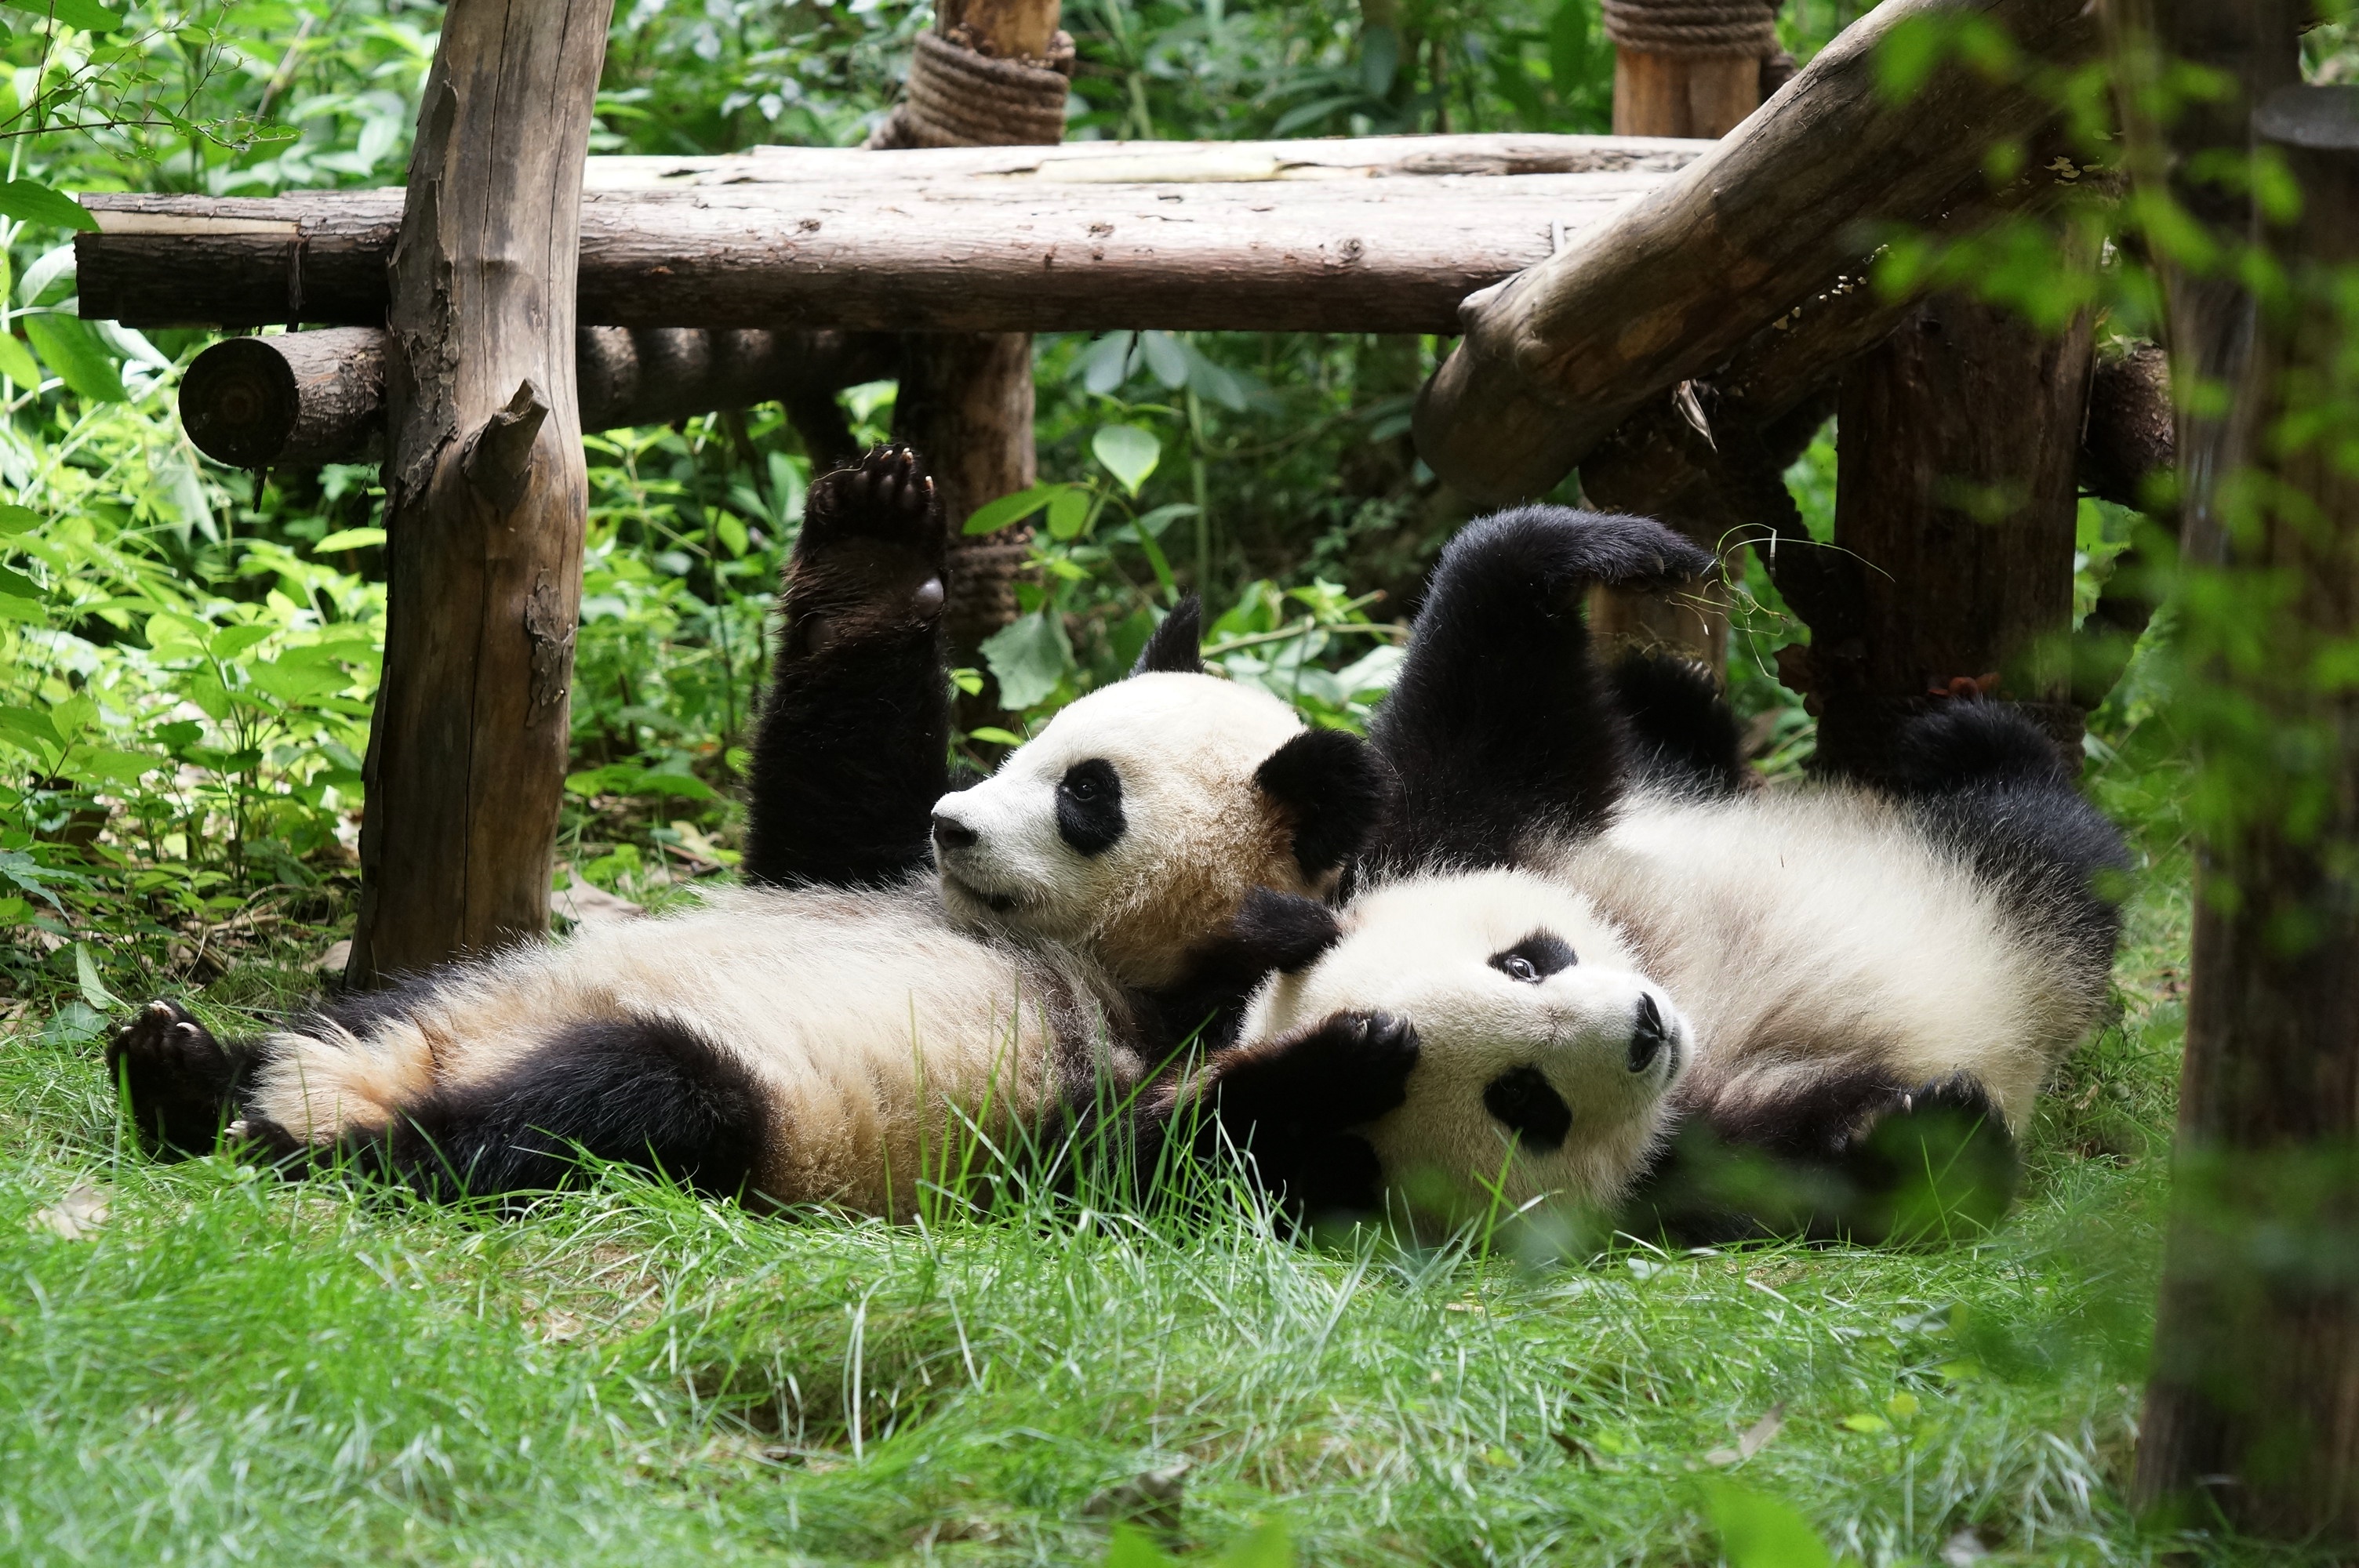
<point>1151,1499</point>
<point>1755,1438</point>
<point>335,959</point>
<point>77,1215</point>
<point>585,905</point>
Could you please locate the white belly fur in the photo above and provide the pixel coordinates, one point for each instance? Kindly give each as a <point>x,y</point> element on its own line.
<point>882,1032</point>
<point>1798,931</point>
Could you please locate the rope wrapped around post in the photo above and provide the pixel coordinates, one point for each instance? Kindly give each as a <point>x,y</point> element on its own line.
<point>1704,29</point>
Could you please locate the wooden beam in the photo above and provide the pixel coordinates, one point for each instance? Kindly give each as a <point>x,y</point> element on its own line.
<point>1554,359</point>
<point>486,492</point>
<point>1392,251</point>
<point>301,399</point>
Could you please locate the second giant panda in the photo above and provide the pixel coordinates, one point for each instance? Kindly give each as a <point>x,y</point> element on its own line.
<point>1745,1012</point>
<point>822,1036</point>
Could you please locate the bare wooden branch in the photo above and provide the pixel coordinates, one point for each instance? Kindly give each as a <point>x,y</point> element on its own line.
<point>497,459</point>
<point>466,760</point>
<point>1557,357</point>
<point>1394,252</point>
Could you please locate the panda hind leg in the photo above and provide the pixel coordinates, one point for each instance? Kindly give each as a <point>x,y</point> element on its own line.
<point>1935,1163</point>
<point>177,1080</point>
<point>646,1092</point>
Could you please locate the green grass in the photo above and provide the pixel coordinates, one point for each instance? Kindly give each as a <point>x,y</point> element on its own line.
<point>231,1370</point>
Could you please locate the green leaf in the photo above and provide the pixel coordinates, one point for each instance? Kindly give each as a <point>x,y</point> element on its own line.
<point>18,363</point>
<point>1104,365</point>
<point>88,15</point>
<point>296,684</point>
<point>14,519</point>
<point>1267,1547</point>
<point>93,992</point>
<point>732,530</point>
<point>1128,452</point>
<point>1758,1531</point>
<point>994,515</point>
<point>349,539</point>
<point>685,785</point>
<point>74,714</point>
<point>18,584</point>
<point>1131,1547</point>
<point>29,724</point>
<point>30,201</point>
<point>230,641</point>
<point>1166,360</point>
<point>69,348</point>
<point>1069,514</point>
<point>1029,656</point>
<point>994,735</point>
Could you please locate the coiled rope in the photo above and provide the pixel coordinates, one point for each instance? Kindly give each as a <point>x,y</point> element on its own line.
<point>959,97</point>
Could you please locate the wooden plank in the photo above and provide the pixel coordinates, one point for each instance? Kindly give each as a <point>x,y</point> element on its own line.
<point>916,251</point>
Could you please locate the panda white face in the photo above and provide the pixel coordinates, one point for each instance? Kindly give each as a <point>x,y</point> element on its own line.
<point>1545,1057</point>
<point>1132,825</point>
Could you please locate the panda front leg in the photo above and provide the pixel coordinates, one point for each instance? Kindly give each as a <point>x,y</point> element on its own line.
<point>853,747</point>
<point>1854,1155</point>
<point>178,1082</point>
<point>1290,1104</point>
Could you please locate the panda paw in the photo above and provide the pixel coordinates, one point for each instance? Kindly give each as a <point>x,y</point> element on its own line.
<point>176,1077</point>
<point>1349,1069</point>
<point>874,552</point>
<point>1933,1161</point>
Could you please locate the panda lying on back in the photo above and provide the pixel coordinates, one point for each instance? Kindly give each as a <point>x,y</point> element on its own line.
<point>823,1036</point>
<point>1747,1010</point>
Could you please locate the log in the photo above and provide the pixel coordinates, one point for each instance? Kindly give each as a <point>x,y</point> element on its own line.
<point>2251,1412</point>
<point>485,493</point>
<point>1956,497</point>
<point>1683,95</point>
<point>1391,253</point>
<point>301,399</point>
<point>1557,357</point>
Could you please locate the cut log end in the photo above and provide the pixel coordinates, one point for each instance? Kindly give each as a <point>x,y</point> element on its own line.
<point>239,403</point>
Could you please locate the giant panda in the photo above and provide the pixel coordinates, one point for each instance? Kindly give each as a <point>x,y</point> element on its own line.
<point>839,1030</point>
<point>1566,980</point>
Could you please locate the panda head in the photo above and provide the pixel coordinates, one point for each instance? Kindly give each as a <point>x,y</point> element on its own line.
<point>1545,1058</point>
<point>1135,824</point>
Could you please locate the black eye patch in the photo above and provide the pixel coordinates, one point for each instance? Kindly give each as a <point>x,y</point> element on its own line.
<point>1527,1105</point>
<point>1088,806</point>
<point>1535,958</point>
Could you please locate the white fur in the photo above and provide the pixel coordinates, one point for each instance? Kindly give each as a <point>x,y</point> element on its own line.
<point>1200,832</point>
<point>1420,949</point>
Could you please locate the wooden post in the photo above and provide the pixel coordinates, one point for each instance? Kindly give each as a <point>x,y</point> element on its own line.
<point>966,400</point>
<point>2254,1400</point>
<point>486,491</point>
<point>1704,90</point>
<point>1956,494</point>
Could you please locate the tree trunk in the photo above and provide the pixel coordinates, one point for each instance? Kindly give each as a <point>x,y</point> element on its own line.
<point>486,492</point>
<point>2254,1395</point>
<point>1956,495</point>
<point>1676,95</point>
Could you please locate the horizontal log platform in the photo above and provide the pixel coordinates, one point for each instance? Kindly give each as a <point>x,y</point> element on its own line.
<point>1378,238</point>
<point>301,399</point>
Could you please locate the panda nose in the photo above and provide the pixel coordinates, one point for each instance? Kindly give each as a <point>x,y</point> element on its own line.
<point>1648,1035</point>
<point>953,834</point>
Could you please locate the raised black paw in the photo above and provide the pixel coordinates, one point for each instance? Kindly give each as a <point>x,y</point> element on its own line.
<point>1349,1069</point>
<point>176,1077</point>
<point>873,554</point>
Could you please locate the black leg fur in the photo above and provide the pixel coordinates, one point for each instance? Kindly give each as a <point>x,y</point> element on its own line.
<point>1500,725</point>
<point>1988,785</point>
<point>1855,1157</point>
<point>640,1091</point>
<point>1683,734</point>
<point>852,748</point>
<point>179,1080</point>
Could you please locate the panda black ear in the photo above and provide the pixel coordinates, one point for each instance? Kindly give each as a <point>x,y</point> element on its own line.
<point>1177,646</point>
<point>1332,784</point>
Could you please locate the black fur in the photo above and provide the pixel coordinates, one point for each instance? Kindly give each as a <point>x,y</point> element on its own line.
<point>1527,1105</point>
<point>1271,930</point>
<point>1177,647</point>
<point>853,742</point>
<point>1089,807</point>
<point>1536,957</point>
<point>1857,1156</point>
<point>177,1080</point>
<point>1683,734</point>
<point>1332,787</point>
<point>1290,1104</point>
<point>638,1091</point>
<point>1989,786</point>
<point>1500,726</point>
